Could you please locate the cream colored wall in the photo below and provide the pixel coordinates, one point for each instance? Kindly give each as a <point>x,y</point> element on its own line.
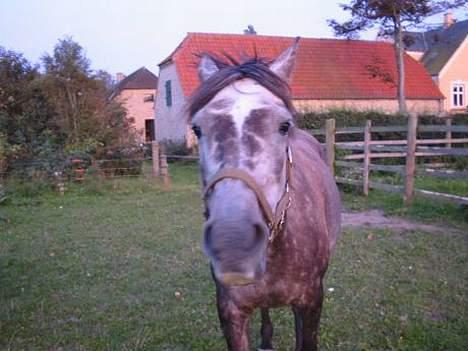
<point>137,108</point>
<point>170,121</point>
<point>455,70</point>
<point>386,106</point>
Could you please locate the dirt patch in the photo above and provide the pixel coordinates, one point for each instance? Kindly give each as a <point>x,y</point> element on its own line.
<point>377,219</point>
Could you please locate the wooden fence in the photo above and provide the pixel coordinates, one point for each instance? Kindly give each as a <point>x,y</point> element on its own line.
<point>363,152</point>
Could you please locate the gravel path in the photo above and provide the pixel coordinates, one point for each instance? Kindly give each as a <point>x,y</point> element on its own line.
<point>377,219</point>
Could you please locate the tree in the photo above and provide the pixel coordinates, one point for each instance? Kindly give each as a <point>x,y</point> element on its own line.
<point>26,118</point>
<point>80,95</point>
<point>391,17</point>
<point>65,109</point>
<point>68,84</point>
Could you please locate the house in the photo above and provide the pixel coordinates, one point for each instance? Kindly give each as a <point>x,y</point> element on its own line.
<point>137,93</point>
<point>444,53</point>
<point>329,74</point>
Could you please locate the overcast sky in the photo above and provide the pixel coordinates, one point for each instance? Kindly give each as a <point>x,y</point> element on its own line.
<point>123,35</point>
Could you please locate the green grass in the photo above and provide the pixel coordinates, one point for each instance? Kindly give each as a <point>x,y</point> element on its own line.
<point>443,185</point>
<point>117,266</point>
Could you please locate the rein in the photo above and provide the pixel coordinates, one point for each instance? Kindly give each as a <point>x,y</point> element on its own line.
<point>276,220</point>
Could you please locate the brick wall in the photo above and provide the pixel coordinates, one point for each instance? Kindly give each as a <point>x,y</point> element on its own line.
<point>383,105</point>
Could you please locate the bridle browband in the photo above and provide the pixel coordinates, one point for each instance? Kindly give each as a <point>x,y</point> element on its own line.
<point>276,220</point>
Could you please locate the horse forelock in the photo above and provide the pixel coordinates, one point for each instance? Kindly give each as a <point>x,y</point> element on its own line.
<point>230,71</point>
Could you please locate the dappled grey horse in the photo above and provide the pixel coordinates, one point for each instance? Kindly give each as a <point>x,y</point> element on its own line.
<point>271,205</point>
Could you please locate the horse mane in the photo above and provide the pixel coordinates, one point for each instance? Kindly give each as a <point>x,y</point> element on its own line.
<point>231,70</point>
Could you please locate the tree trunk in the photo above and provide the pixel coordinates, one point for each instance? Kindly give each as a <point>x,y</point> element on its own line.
<point>399,52</point>
<point>74,113</point>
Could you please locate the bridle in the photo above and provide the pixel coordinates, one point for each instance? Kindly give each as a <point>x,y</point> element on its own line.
<point>276,220</point>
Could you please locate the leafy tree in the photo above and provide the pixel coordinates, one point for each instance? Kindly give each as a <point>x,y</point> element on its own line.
<point>68,86</point>
<point>26,118</point>
<point>106,78</point>
<point>62,110</point>
<point>80,98</point>
<point>391,17</point>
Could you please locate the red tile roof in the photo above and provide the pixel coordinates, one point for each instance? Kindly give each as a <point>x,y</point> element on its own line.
<point>325,68</point>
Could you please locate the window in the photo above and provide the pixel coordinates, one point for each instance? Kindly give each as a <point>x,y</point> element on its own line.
<point>168,93</point>
<point>148,98</point>
<point>458,95</point>
<point>149,130</point>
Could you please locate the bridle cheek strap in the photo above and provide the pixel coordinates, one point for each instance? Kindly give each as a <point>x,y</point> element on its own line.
<point>274,220</point>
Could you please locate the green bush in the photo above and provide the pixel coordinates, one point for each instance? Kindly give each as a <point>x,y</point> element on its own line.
<point>351,118</point>
<point>178,148</point>
<point>348,118</point>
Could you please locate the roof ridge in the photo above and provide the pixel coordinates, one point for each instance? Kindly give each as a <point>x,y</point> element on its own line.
<point>190,35</point>
<point>284,37</point>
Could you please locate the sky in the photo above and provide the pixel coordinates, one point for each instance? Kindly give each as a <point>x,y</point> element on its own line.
<point>124,35</point>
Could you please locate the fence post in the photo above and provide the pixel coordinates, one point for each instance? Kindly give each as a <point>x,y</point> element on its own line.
<point>330,143</point>
<point>410,158</point>
<point>367,150</point>
<point>155,157</point>
<point>163,167</point>
<point>448,133</point>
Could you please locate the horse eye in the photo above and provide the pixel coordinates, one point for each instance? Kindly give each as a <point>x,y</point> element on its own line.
<point>197,131</point>
<point>284,127</point>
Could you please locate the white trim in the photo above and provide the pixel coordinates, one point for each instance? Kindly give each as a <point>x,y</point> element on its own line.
<point>454,56</point>
<point>458,83</point>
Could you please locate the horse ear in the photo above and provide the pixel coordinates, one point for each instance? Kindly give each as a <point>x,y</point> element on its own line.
<point>206,68</point>
<point>284,63</point>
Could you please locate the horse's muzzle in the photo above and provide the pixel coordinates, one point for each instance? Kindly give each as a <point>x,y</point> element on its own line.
<point>237,253</point>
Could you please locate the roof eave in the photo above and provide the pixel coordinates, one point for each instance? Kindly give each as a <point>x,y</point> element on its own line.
<point>165,62</point>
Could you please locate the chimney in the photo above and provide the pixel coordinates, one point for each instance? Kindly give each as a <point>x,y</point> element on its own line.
<point>119,77</point>
<point>448,19</point>
<point>250,30</point>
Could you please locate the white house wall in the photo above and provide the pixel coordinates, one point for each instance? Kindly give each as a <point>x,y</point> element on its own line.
<point>170,121</point>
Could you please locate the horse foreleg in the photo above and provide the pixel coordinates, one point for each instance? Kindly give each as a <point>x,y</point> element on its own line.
<point>266,331</point>
<point>235,326</point>
<point>298,316</point>
<point>307,320</point>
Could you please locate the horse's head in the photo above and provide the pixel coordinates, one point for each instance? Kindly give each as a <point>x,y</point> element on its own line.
<point>242,114</point>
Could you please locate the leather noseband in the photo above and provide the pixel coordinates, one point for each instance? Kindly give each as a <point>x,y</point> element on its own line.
<point>275,220</point>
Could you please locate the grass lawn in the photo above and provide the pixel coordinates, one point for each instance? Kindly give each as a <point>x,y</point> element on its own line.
<point>118,266</point>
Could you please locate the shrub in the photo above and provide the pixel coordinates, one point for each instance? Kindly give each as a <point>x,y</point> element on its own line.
<point>178,148</point>
<point>351,118</point>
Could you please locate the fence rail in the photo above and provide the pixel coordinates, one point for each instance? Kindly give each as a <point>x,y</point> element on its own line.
<point>366,150</point>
